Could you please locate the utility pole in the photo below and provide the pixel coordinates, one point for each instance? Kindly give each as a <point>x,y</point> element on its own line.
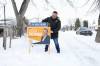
<point>5,31</point>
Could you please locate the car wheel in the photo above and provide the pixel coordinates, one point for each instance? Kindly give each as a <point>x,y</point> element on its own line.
<point>90,34</point>
<point>81,34</point>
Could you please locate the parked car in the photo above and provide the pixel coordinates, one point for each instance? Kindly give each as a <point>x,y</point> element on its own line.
<point>84,31</point>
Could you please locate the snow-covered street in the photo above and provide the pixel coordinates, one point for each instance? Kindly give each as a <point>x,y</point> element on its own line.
<point>76,50</point>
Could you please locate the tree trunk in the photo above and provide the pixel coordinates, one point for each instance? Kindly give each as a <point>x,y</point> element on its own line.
<point>20,15</point>
<point>97,39</point>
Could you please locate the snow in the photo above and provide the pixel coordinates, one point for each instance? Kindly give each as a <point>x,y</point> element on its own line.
<point>76,50</point>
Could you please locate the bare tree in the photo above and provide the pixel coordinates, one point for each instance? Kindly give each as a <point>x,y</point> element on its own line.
<point>34,4</point>
<point>49,4</point>
<point>70,3</point>
<point>97,7</point>
<point>97,39</point>
<point>20,15</point>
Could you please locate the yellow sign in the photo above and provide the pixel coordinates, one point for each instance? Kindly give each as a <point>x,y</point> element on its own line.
<point>39,32</point>
<point>36,33</point>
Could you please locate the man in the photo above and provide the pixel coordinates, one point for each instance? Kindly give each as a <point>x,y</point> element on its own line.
<point>45,38</point>
<point>55,25</point>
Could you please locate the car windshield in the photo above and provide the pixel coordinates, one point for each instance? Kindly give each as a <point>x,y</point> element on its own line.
<point>83,28</point>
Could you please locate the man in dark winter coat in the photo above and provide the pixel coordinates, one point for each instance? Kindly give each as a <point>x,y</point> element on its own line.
<point>55,24</point>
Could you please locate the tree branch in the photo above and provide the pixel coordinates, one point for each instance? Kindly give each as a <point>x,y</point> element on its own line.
<point>24,7</point>
<point>15,8</point>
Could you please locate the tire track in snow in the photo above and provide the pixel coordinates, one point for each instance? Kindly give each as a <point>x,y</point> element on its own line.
<point>92,49</point>
<point>77,54</point>
<point>85,43</point>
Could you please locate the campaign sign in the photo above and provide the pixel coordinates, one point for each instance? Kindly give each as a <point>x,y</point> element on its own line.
<point>39,33</point>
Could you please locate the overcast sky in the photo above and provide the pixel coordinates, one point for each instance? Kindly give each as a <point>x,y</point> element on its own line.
<point>38,8</point>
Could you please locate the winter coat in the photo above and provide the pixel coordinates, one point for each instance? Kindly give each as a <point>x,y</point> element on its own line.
<point>55,25</point>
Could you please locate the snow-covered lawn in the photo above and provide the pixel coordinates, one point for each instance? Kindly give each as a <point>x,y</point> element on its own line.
<point>76,50</point>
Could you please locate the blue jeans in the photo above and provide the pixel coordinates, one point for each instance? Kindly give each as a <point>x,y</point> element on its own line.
<point>56,45</point>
